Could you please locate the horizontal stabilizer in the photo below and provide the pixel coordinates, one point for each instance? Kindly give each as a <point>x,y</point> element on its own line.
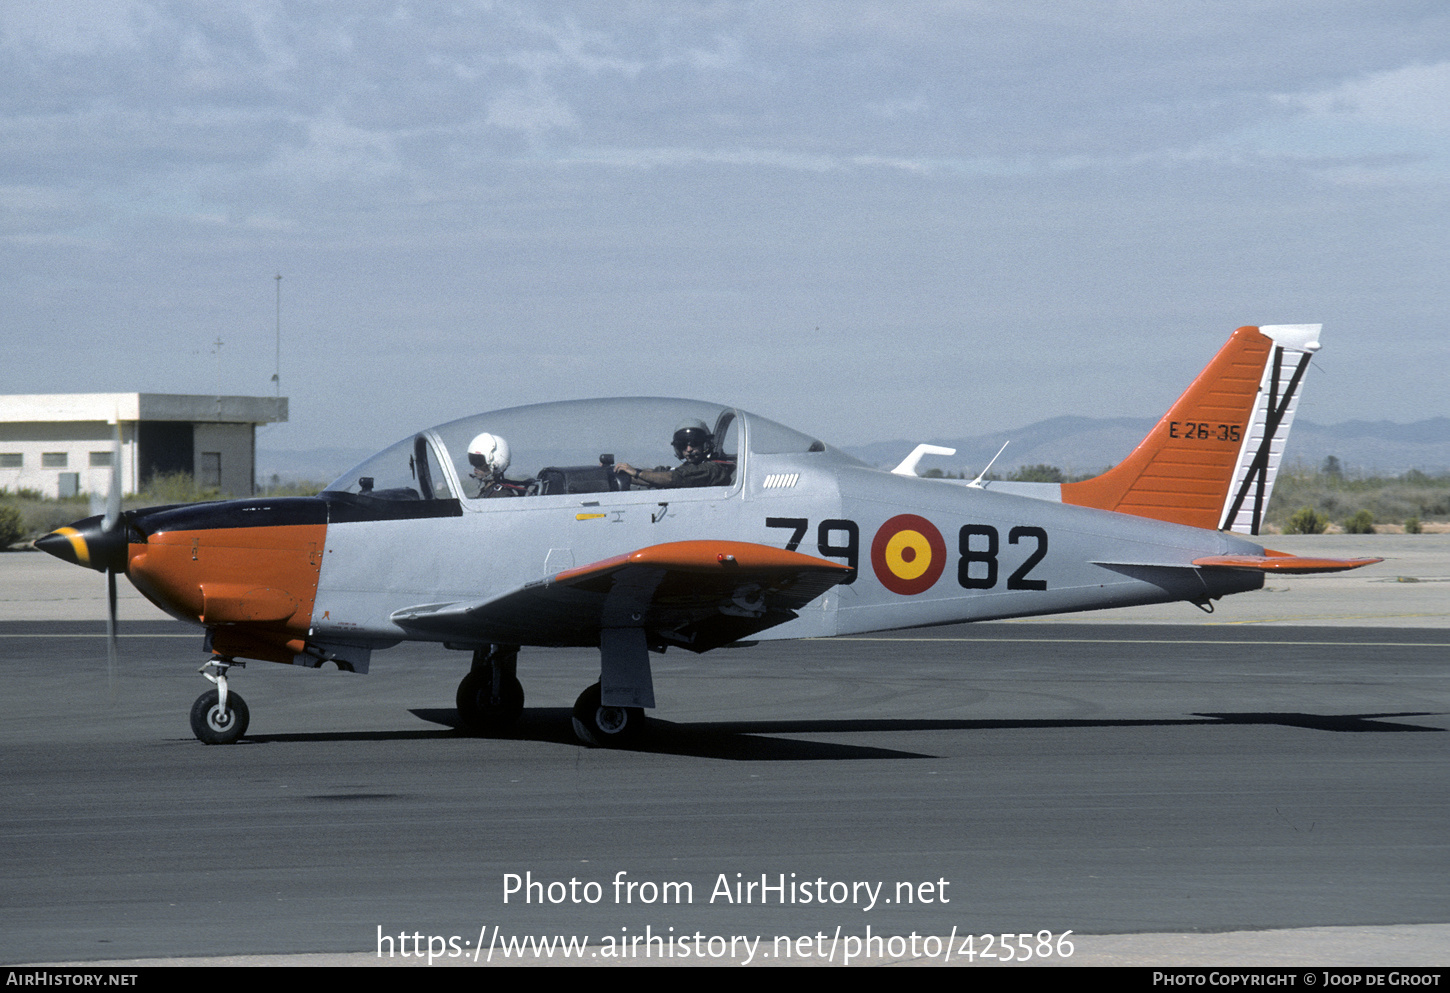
<point>1272,561</point>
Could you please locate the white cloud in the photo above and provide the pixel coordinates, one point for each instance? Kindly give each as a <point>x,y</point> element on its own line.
<point>339,151</point>
<point>1415,97</point>
<point>534,110</point>
<point>1384,127</point>
<point>70,28</point>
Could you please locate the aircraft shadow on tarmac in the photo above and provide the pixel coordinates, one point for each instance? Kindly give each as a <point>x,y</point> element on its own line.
<point>755,741</point>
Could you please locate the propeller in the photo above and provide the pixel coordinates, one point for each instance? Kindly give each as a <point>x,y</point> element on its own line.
<point>100,542</point>
<point>110,522</point>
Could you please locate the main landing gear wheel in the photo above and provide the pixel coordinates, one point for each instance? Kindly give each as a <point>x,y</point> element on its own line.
<point>480,712</point>
<point>610,727</point>
<point>214,726</point>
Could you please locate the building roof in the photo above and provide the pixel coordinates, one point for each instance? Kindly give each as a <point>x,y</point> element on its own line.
<point>108,407</point>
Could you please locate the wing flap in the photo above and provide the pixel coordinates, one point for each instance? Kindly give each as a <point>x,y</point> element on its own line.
<point>696,594</point>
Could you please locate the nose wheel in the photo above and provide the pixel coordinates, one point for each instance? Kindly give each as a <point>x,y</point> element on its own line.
<point>607,727</point>
<point>219,717</point>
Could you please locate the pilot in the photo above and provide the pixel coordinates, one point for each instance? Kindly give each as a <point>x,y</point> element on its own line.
<point>489,456</point>
<point>700,464</point>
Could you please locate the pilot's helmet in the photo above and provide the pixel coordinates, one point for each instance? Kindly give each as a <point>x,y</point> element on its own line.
<point>488,453</point>
<point>694,432</point>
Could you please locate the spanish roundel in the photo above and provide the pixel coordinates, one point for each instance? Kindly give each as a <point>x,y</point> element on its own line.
<point>908,554</point>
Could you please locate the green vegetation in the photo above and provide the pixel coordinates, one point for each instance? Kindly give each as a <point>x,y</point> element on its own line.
<point>1361,522</point>
<point>1306,520</point>
<point>175,487</point>
<point>1344,495</point>
<point>12,525</point>
<point>305,487</point>
<point>38,514</point>
<point>1038,474</point>
<point>1412,526</point>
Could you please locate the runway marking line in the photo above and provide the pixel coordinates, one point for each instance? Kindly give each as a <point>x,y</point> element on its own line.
<point>1154,641</point>
<point>193,634</point>
<point>984,640</point>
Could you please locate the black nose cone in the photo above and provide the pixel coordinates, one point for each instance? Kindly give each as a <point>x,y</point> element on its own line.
<point>87,543</point>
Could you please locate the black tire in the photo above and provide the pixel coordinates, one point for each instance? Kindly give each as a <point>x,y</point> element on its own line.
<point>607,727</point>
<point>479,714</point>
<point>211,726</point>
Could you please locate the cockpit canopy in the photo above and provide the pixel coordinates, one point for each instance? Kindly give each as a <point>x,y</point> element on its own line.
<point>548,441</point>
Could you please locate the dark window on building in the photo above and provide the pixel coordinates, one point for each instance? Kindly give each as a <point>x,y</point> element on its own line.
<point>52,460</point>
<point>100,460</point>
<point>164,447</point>
<point>12,460</point>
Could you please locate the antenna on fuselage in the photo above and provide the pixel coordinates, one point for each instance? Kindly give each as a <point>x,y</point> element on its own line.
<point>978,481</point>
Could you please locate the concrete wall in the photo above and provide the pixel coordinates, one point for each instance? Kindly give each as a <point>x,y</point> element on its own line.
<point>229,447</point>
<point>69,428</point>
<point>76,441</point>
<point>232,449</point>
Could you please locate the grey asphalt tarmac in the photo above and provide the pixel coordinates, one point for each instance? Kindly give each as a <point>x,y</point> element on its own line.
<point>1266,784</point>
<point>1151,788</point>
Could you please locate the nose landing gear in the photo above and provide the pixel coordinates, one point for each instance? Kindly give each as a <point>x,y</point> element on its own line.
<point>219,717</point>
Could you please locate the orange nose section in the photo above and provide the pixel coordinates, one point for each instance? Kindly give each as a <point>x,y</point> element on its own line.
<point>261,580</point>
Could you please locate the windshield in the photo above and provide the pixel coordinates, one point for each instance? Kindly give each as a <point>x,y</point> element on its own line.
<point>408,470</point>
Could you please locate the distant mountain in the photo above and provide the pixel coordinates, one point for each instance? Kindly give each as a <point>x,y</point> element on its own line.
<point>1087,444</point>
<point>1375,447</point>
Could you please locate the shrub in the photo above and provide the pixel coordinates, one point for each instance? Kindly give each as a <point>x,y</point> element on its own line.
<point>1306,520</point>
<point>1414,494</point>
<point>1412,526</point>
<point>296,487</point>
<point>12,525</point>
<point>23,493</point>
<point>1037,474</point>
<point>176,487</point>
<point>1361,522</point>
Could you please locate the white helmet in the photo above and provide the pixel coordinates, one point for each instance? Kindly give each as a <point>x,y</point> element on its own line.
<point>490,453</point>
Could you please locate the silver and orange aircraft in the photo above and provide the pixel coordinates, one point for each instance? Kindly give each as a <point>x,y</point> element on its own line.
<point>761,533</point>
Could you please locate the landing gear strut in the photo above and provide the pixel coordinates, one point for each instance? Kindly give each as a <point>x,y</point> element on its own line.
<point>491,698</point>
<point>219,717</point>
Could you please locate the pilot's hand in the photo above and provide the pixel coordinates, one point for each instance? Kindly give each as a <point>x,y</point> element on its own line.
<point>632,475</point>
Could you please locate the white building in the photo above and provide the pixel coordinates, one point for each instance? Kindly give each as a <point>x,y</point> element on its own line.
<point>61,444</point>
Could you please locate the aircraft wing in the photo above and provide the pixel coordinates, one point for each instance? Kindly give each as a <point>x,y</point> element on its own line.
<point>695,594</point>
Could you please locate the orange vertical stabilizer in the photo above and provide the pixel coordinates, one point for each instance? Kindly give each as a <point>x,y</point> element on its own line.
<point>1211,460</point>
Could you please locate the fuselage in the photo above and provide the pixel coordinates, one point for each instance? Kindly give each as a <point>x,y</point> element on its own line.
<point>312,579</point>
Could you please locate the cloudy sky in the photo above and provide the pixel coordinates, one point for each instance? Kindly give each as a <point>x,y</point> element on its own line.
<point>866,219</point>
